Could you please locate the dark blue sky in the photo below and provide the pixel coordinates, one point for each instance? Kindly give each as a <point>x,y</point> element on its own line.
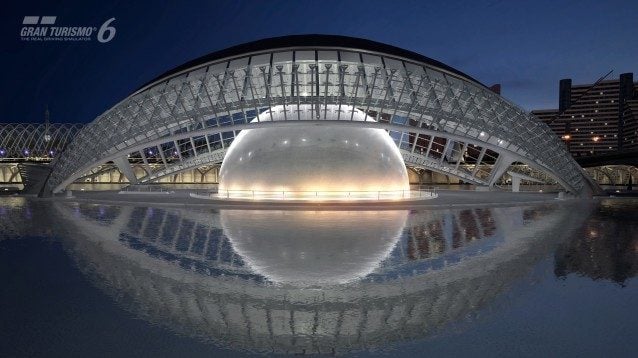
<point>525,46</point>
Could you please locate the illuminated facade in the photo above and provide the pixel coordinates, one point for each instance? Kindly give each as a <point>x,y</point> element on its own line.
<point>439,118</point>
<point>313,160</point>
<point>596,118</point>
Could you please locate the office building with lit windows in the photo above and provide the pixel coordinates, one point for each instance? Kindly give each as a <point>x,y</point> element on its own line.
<point>595,118</point>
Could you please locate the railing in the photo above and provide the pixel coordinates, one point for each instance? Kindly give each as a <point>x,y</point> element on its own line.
<point>325,195</point>
<point>145,189</point>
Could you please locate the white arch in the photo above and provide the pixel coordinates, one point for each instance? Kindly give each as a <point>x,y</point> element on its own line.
<point>414,100</point>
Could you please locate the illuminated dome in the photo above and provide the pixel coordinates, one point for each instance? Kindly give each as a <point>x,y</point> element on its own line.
<point>314,159</point>
<point>313,248</point>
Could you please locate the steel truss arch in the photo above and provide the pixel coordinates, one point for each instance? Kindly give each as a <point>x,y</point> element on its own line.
<point>436,116</point>
<point>27,140</point>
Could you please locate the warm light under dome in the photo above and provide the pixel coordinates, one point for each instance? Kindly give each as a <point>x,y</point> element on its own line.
<point>313,162</point>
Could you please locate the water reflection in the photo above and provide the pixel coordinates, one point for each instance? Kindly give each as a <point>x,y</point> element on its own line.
<point>306,248</point>
<point>606,247</point>
<point>206,273</point>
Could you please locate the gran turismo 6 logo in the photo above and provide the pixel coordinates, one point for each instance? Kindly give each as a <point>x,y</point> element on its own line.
<point>44,28</point>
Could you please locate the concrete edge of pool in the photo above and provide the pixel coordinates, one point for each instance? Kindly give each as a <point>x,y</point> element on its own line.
<point>444,199</point>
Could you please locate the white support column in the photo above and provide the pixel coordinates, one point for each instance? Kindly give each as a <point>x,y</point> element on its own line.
<point>502,163</point>
<point>125,167</point>
<point>458,160</point>
<point>445,150</point>
<point>416,138</point>
<point>146,166</point>
<point>516,180</point>
<point>478,162</point>
<point>161,153</point>
<point>193,146</point>
<point>516,184</point>
<point>178,150</point>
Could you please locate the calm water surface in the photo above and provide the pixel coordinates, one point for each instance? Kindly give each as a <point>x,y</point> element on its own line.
<point>98,280</point>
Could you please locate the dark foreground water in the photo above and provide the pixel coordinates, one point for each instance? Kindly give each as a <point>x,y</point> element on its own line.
<point>96,280</point>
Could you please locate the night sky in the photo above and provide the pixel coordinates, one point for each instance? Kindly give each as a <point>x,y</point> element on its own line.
<point>527,47</point>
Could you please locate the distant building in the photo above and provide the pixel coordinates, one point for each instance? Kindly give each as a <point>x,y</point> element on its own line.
<point>596,118</point>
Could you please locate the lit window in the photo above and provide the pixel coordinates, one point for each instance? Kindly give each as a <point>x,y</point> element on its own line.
<point>591,120</point>
<point>601,93</point>
<point>582,116</point>
<point>576,129</point>
<point>596,102</point>
<point>612,101</point>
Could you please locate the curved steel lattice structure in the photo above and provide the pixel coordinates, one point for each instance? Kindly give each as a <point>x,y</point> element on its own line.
<point>440,118</point>
<point>24,141</point>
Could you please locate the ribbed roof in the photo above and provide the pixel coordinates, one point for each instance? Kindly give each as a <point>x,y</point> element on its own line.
<point>312,40</point>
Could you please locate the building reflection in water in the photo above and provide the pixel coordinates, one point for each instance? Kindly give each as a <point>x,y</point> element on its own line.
<point>313,248</point>
<point>206,273</point>
<point>203,273</point>
<point>606,247</point>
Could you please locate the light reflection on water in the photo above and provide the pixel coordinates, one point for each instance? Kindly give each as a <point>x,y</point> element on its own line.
<point>324,281</point>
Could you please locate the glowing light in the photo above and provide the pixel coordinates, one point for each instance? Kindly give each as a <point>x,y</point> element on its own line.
<point>347,246</point>
<point>567,136</point>
<point>256,167</point>
<point>596,139</point>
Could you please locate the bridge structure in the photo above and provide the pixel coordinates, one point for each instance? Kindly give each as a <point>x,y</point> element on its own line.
<point>441,119</point>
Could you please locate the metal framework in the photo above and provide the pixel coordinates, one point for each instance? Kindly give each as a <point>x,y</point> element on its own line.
<point>438,117</point>
<point>25,141</point>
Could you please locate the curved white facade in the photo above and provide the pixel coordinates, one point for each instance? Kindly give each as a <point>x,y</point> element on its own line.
<point>309,159</point>
<point>439,118</point>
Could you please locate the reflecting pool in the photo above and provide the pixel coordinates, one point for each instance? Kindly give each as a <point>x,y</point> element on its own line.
<point>553,279</point>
